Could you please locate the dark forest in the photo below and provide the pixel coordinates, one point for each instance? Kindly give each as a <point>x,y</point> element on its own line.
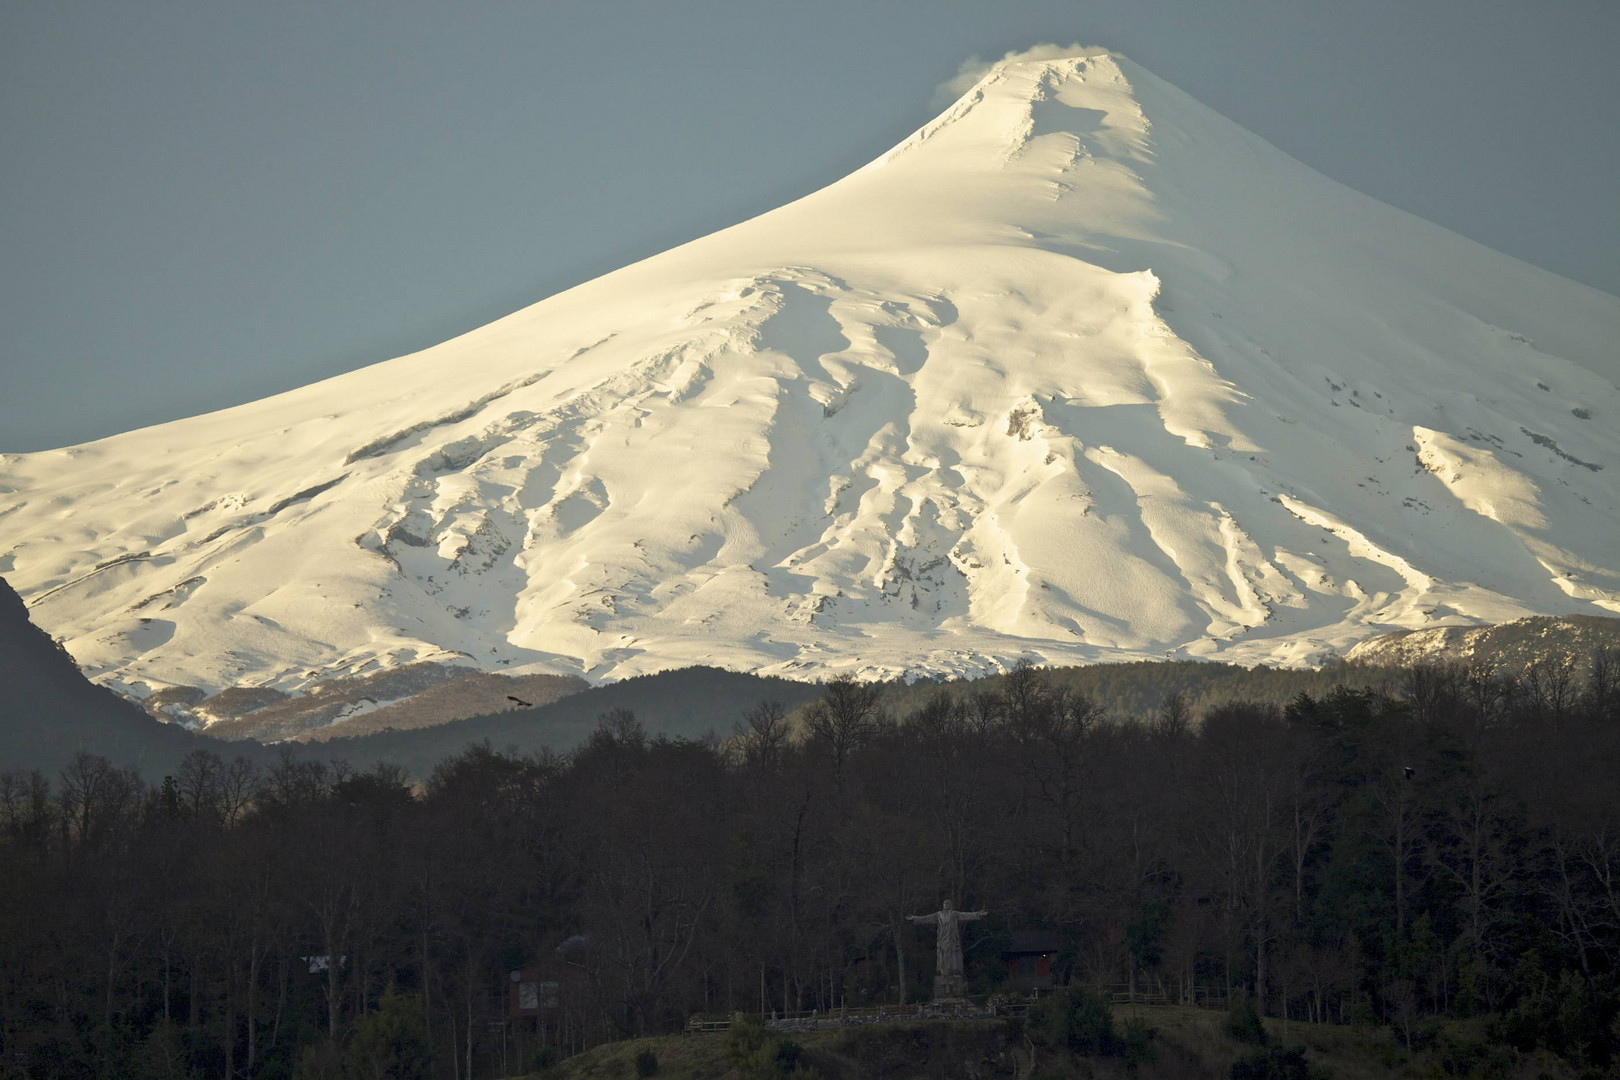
<point>1441,858</point>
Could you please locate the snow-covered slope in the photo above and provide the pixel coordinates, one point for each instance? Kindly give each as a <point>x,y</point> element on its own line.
<point>1079,371</point>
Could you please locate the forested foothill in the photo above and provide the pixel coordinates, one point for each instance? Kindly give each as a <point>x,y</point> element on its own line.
<point>1437,858</point>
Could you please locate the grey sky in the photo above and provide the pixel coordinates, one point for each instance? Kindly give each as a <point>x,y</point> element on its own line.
<point>203,203</point>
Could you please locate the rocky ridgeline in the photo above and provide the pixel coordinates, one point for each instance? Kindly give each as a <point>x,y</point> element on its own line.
<point>1511,646</point>
<point>404,698</point>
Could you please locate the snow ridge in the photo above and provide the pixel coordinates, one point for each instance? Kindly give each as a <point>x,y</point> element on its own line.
<point>1079,371</point>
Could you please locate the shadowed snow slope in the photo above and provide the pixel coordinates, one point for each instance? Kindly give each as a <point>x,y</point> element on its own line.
<point>1079,371</point>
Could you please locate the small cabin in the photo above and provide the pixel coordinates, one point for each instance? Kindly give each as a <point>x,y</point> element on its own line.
<point>1030,956</point>
<point>532,990</point>
<point>540,986</point>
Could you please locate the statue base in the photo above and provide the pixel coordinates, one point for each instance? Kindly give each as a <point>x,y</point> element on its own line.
<point>950,988</point>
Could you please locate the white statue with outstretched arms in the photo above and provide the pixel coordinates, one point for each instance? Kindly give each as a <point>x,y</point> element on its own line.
<point>948,944</point>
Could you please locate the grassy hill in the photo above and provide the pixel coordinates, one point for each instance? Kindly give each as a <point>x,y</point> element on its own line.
<point>1188,1044</point>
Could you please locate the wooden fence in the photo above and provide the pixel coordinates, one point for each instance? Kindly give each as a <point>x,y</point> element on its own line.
<point>1204,997</point>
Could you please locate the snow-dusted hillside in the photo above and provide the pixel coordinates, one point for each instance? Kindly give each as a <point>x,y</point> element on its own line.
<point>1080,370</point>
<point>1508,647</point>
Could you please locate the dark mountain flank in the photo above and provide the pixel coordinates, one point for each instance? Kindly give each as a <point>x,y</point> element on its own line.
<point>49,711</point>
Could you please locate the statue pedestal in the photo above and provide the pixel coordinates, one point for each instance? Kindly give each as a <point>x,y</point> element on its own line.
<point>950,988</point>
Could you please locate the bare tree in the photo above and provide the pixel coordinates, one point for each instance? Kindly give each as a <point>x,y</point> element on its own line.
<point>764,735</point>
<point>198,781</point>
<point>1550,688</point>
<point>96,798</point>
<point>1601,695</point>
<point>238,784</point>
<point>1245,818</point>
<point>844,717</point>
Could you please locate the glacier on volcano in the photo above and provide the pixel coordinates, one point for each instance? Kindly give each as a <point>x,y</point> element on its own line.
<point>1079,371</point>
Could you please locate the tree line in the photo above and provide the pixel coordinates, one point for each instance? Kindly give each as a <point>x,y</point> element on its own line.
<point>1442,857</point>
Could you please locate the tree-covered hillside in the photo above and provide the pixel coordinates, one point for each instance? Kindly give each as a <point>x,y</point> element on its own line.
<point>1435,859</point>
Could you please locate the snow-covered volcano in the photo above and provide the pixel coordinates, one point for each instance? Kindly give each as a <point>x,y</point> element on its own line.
<point>1079,371</point>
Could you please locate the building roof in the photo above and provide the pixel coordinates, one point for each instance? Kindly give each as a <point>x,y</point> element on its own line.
<point>1032,941</point>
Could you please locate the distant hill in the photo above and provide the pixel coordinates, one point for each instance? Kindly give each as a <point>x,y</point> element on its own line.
<point>688,703</point>
<point>693,702</point>
<point>477,694</point>
<point>1129,690</point>
<point>413,696</point>
<point>49,711</point>
<point>1512,646</point>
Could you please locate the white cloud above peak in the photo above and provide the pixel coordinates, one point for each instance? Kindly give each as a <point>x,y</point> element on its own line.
<point>974,67</point>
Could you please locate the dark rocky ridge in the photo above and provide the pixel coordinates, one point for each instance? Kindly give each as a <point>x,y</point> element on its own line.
<point>49,711</point>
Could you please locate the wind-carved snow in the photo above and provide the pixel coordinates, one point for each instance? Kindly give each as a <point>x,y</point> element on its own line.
<point>1079,371</point>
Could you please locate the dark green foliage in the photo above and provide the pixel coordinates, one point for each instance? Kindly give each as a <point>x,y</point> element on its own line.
<point>647,1063</point>
<point>390,1042</point>
<point>1078,1021</point>
<point>1137,1039</point>
<point>320,1060</point>
<point>788,1053</point>
<point>162,1055</point>
<point>1463,1048</point>
<point>757,1054</point>
<point>1277,1063</point>
<point>1145,932</point>
<point>1243,1022</point>
<point>1574,1017</point>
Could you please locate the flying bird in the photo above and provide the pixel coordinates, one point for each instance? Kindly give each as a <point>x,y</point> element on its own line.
<point>530,705</point>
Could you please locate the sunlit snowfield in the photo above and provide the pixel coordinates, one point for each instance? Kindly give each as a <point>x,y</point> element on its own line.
<point>1079,371</point>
